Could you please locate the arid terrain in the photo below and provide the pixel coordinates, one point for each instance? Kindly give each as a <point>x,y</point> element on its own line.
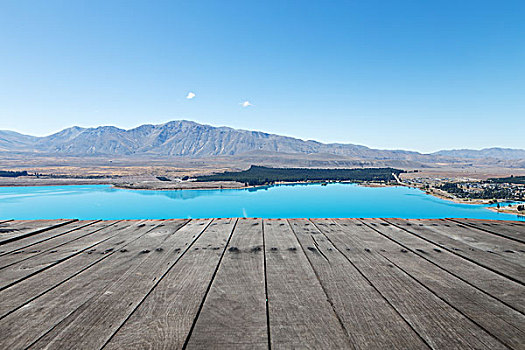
<point>166,156</point>
<point>143,173</point>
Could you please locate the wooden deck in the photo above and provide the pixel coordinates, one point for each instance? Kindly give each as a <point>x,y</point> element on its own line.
<point>253,283</point>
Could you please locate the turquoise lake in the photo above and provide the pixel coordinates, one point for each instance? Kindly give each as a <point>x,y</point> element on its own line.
<point>284,201</point>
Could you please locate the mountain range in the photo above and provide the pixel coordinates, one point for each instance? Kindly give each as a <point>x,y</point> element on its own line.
<point>189,139</point>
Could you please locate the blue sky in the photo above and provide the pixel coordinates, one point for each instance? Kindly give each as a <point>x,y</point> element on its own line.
<point>418,75</point>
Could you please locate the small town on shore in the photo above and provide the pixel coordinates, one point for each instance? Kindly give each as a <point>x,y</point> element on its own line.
<point>505,194</point>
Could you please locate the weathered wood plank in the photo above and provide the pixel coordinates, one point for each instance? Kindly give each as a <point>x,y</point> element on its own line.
<point>510,230</point>
<point>36,319</point>
<point>93,324</point>
<point>23,229</point>
<point>27,290</point>
<point>497,319</point>
<point>44,247</point>
<point>17,227</point>
<point>299,312</point>
<point>17,246</point>
<point>40,261</point>
<point>5,221</point>
<point>234,312</point>
<point>507,248</point>
<point>371,322</point>
<point>392,289</point>
<point>431,231</point>
<point>8,225</point>
<point>508,291</point>
<point>164,319</point>
<point>437,322</point>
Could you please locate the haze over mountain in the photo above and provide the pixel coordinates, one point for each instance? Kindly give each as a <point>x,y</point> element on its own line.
<point>189,139</point>
<point>498,153</point>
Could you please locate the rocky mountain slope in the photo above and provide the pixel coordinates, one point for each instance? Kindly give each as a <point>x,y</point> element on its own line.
<point>495,152</point>
<point>193,140</point>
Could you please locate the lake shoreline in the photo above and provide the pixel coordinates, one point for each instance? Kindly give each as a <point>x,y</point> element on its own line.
<point>282,200</point>
<point>152,185</point>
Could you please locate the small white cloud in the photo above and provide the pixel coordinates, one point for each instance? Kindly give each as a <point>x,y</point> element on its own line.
<point>190,95</point>
<point>246,104</point>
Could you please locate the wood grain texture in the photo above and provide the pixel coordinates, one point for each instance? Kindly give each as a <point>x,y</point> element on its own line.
<point>23,226</point>
<point>438,323</point>
<point>22,229</point>
<point>93,324</point>
<point>164,319</point>
<point>27,290</point>
<point>369,319</point>
<point>511,230</point>
<point>299,312</point>
<point>497,319</point>
<point>28,324</point>
<point>40,261</point>
<point>54,243</point>
<point>508,291</point>
<point>507,248</point>
<point>438,234</point>
<point>253,283</point>
<point>234,312</point>
<point>26,243</point>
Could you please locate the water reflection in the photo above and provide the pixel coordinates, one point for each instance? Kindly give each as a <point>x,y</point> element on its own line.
<point>180,194</point>
<point>192,194</point>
